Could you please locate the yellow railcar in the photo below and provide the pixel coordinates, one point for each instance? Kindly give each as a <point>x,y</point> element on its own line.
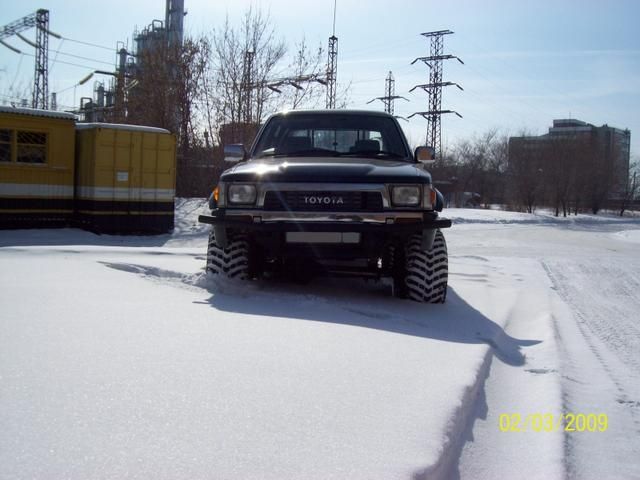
<point>125,178</point>
<point>36,167</point>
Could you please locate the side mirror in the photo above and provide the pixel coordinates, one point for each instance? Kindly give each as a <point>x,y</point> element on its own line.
<point>426,155</point>
<point>234,152</point>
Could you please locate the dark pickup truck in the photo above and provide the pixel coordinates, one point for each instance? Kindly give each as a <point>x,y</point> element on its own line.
<point>335,192</point>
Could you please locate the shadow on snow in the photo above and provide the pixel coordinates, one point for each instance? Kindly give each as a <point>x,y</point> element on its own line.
<point>349,302</point>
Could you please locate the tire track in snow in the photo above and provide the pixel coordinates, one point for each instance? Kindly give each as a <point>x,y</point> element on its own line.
<point>593,382</point>
<point>528,389</point>
<point>604,331</point>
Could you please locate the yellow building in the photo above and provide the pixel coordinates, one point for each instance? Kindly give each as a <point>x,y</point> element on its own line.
<point>36,167</point>
<point>125,178</point>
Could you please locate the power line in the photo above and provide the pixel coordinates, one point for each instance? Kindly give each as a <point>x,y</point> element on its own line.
<point>357,53</point>
<point>17,72</point>
<point>85,58</point>
<point>68,63</point>
<point>56,57</point>
<point>88,43</point>
<point>566,98</point>
<point>524,102</point>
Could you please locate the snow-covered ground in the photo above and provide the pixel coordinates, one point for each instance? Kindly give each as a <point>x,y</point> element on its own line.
<point>119,358</point>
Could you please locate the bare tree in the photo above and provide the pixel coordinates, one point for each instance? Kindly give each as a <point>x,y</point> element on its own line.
<point>525,170</point>
<point>560,172</point>
<point>480,165</point>
<point>470,171</point>
<point>632,188</point>
<point>16,93</point>
<point>497,160</point>
<point>244,59</point>
<point>168,83</point>
<point>597,178</point>
<point>307,63</point>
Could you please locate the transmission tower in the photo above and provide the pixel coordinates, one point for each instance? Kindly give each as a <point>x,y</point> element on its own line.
<point>41,75</point>
<point>434,89</point>
<point>40,20</point>
<point>332,64</point>
<point>390,94</point>
<point>247,85</point>
<point>332,72</point>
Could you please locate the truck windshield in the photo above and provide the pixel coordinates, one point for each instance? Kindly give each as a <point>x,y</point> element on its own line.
<point>368,136</point>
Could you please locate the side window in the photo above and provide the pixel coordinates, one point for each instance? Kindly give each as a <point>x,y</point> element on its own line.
<point>32,147</point>
<point>5,145</point>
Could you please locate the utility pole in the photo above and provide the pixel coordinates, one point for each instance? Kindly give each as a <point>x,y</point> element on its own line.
<point>390,94</point>
<point>434,89</point>
<point>332,65</point>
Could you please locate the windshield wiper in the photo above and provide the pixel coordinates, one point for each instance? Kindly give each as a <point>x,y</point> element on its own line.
<point>300,153</point>
<point>372,154</point>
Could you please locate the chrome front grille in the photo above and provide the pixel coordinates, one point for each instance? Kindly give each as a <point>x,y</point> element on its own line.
<point>323,201</point>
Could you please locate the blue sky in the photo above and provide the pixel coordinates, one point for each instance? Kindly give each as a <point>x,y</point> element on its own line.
<point>526,63</point>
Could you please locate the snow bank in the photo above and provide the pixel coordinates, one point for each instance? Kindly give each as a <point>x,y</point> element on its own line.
<point>541,217</point>
<point>628,235</point>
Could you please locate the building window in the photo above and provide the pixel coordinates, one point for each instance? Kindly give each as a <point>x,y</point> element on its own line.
<point>5,145</point>
<point>32,147</point>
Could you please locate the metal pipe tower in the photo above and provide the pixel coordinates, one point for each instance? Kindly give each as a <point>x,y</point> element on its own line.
<point>434,89</point>
<point>174,22</point>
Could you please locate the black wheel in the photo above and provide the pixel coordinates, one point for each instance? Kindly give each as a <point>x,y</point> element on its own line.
<point>425,273</point>
<point>235,261</point>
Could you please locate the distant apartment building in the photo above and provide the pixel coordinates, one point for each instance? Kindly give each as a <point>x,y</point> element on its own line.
<point>608,145</point>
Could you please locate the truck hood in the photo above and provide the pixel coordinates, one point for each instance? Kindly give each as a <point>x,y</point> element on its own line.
<point>327,170</point>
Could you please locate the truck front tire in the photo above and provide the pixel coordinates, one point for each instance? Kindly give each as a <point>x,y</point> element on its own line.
<point>425,273</point>
<point>234,261</point>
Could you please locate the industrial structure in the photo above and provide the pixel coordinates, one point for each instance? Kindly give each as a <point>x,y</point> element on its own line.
<point>434,89</point>
<point>111,98</point>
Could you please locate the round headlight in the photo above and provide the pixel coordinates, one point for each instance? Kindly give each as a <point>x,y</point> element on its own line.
<point>242,194</point>
<point>405,195</point>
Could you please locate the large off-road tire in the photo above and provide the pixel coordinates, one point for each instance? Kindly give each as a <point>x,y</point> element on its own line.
<point>233,261</point>
<point>425,273</point>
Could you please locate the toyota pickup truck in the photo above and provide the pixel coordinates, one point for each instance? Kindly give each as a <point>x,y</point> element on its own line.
<point>330,192</point>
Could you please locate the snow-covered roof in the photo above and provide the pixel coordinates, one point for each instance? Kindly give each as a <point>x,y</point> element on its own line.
<point>119,126</point>
<point>34,112</point>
